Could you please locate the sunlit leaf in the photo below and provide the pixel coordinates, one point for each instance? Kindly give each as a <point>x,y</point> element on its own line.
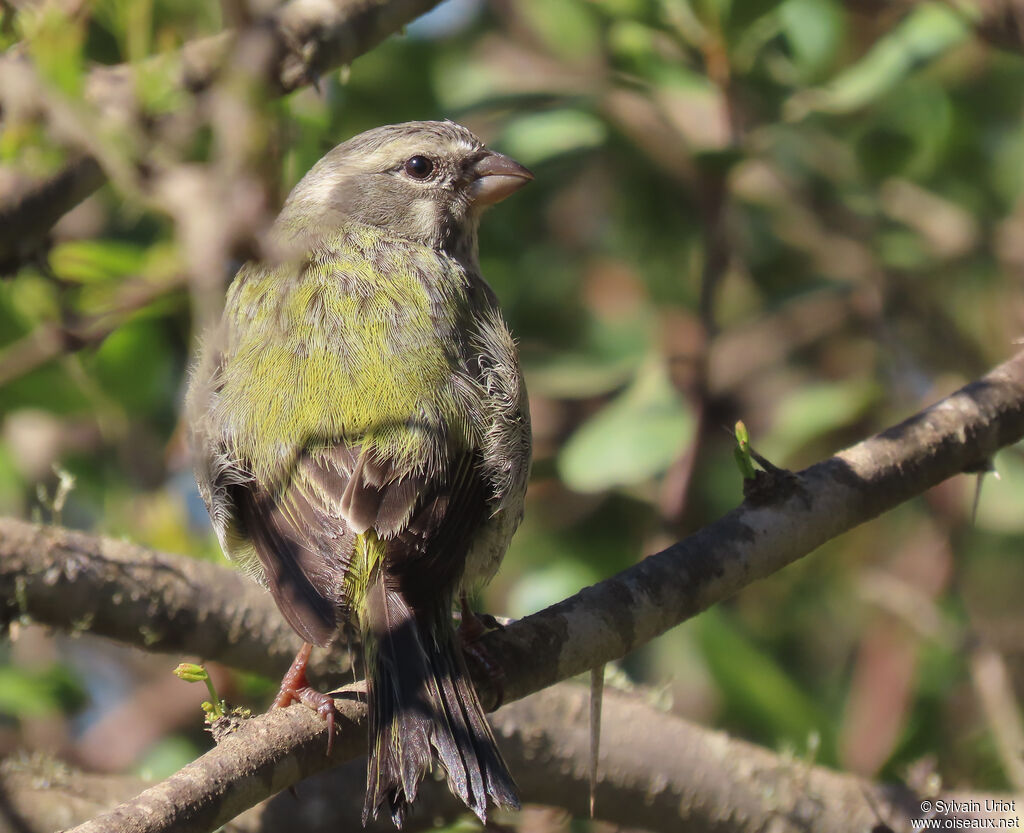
<point>30,297</point>
<point>814,29</point>
<point>569,28</point>
<point>927,32</point>
<point>535,138</point>
<point>756,689</point>
<point>88,261</point>
<point>635,437</point>
<point>55,42</point>
<point>28,692</point>
<point>813,410</point>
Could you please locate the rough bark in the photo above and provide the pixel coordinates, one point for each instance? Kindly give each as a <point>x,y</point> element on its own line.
<point>785,518</point>
<point>157,601</point>
<point>658,772</point>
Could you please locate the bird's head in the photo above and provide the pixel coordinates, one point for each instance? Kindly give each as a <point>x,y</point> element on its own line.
<point>425,181</point>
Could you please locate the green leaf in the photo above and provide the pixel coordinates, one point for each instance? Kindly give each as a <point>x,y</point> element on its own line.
<point>91,261</point>
<point>756,690</point>
<point>812,411</point>
<point>744,13</point>
<point>26,300</point>
<point>927,32</point>
<point>1001,495</point>
<point>634,43</point>
<point>166,757</point>
<point>578,376</point>
<point>635,437</point>
<point>535,138</point>
<point>621,9</point>
<point>741,452</point>
<point>55,44</point>
<point>814,30</point>
<point>36,692</point>
<point>134,364</point>
<point>607,359</point>
<point>548,585</point>
<point>568,28</point>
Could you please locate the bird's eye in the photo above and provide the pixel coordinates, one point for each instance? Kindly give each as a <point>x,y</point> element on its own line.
<point>419,167</point>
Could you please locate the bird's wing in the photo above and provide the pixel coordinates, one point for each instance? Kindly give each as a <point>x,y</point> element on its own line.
<point>303,549</point>
<point>304,537</point>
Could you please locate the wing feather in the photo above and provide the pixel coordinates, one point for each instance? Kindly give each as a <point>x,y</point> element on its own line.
<point>304,537</point>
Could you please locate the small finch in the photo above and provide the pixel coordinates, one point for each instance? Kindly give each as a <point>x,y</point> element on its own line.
<point>362,439</point>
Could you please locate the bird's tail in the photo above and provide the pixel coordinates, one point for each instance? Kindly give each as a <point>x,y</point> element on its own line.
<point>422,707</point>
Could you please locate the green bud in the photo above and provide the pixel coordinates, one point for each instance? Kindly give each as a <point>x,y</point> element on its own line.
<point>214,711</point>
<point>191,673</point>
<point>742,452</point>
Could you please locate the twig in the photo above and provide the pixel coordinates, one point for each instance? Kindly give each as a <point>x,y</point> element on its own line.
<point>50,340</point>
<point>995,691</point>
<point>26,219</point>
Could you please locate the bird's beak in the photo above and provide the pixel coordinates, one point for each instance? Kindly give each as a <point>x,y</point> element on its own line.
<point>495,177</point>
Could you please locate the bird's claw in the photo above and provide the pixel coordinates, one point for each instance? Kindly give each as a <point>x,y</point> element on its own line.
<point>472,627</point>
<point>489,622</point>
<point>323,705</point>
<point>295,686</point>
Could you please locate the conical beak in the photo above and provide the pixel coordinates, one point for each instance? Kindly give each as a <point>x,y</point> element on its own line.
<point>495,177</point>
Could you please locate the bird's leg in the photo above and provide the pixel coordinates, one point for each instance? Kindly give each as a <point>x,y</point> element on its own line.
<point>295,686</point>
<point>295,679</point>
<point>471,628</point>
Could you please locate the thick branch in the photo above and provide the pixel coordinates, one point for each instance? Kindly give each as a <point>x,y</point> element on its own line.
<point>72,580</point>
<point>658,772</point>
<point>262,757</point>
<point>789,519</point>
<point>152,600</point>
<point>309,37</point>
<point>662,773</point>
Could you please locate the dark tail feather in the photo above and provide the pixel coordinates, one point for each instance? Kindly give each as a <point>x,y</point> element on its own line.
<point>423,708</point>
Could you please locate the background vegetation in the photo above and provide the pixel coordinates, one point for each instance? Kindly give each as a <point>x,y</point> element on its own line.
<point>805,214</point>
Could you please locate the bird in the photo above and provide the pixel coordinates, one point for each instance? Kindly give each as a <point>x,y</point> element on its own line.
<point>361,438</point>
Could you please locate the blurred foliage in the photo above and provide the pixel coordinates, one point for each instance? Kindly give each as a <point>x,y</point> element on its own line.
<point>805,214</point>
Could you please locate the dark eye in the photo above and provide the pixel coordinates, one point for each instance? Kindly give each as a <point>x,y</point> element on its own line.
<point>419,167</point>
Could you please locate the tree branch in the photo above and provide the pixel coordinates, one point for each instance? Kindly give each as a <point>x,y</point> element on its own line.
<point>50,340</point>
<point>658,772</point>
<point>787,521</point>
<point>309,37</point>
<point>261,757</point>
<point>788,518</point>
<point>152,600</point>
<point>27,216</point>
